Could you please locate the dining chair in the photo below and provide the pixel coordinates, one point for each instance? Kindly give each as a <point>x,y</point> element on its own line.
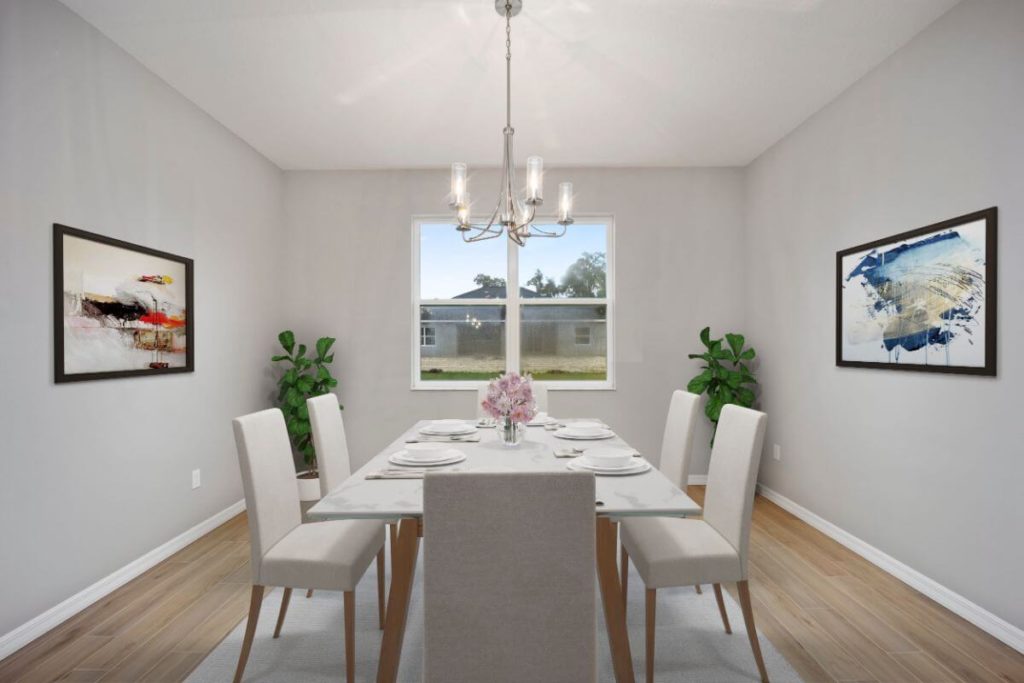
<point>683,552</point>
<point>508,577</point>
<point>676,451</point>
<point>334,467</point>
<point>540,397</point>
<point>284,551</point>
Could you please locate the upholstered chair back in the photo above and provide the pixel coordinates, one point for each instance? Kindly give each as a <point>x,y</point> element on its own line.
<point>508,579</point>
<point>268,478</point>
<point>329,441</point>
<point>677,443</point>
<point>732,475</point>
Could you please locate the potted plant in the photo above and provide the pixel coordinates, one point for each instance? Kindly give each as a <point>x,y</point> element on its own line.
<point>305,378</point>
<point>725,375</point>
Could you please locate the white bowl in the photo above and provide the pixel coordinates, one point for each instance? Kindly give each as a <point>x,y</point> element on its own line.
<point>588,430</point>
<point>427,452</point>
<point>608,457</point>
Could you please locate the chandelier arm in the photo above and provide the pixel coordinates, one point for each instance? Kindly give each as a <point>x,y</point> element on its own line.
<point>537,232</point>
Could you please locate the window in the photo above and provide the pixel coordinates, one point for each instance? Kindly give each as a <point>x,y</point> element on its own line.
<point>428,336</point>
<point>491,306</point>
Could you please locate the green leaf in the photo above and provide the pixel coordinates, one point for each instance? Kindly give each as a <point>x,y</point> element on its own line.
<point>331,383</point>
<point>302,427</point>
<point>736,342</point>
<point>748,354</point>
<point>305,384</point>
<point>702,356</point>
<point>722,354</point>
<point>280,358</point>
<point>302,412</point>
<point>294,398</point>
<point>301,353</point>
<point>287,339</point>
<point>705,337</point>
<point>323,345</point>
<point>290,376</point>
<point>744,397</point>
<point>329,359</point>
<point>697,385</point>
<point>713,408</point>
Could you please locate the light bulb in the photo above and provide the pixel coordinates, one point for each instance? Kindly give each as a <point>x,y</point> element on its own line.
<point>534,179</point>
<point>458,184</point>
<point>564,202</point>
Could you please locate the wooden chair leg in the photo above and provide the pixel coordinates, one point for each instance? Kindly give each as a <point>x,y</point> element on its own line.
<point>748,618</point>
<point>350,636</point>
<point>699,591</point>
<point>250,630</point>
<point>380,587</point>
<point>624,574</point>
<point>392,541</point>
<point>309,593</point>
<point>721,606</point>
<point>285,599</point>
<point>652,594</point>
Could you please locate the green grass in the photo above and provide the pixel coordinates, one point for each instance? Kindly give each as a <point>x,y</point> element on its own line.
<point>486,376</point>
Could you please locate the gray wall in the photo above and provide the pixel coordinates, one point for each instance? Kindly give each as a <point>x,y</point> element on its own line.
<point>93,475</point>
<point>678,237</point>
<point>926,467</point>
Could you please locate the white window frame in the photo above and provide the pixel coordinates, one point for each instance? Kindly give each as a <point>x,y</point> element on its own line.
<point>513,303</point>
<point>423,335</point>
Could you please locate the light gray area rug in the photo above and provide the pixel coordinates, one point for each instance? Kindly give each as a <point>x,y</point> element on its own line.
<point>691,643</point>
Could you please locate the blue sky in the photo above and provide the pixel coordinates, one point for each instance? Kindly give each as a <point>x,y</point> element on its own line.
<point>448,265</point>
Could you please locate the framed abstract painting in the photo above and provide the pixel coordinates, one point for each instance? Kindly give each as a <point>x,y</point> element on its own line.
<point>922,300</point>
<point>120,309</point>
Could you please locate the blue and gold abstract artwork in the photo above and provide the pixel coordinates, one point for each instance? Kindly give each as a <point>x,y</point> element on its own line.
<point>921,300</point>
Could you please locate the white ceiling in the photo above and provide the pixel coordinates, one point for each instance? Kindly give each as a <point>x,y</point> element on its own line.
<point>320,84</point>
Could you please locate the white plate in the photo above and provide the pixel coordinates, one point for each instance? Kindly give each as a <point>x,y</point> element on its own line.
<point>427,452</point>
<point>608,457</point>
<point>397,459</point>
<point>541,420</point>
<point>640,467</point>
<point>585,424</point>
<point>447,428</point>
<point>563,433</point>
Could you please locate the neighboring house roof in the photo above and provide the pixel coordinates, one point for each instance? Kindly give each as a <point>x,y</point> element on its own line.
<point>495,292</point>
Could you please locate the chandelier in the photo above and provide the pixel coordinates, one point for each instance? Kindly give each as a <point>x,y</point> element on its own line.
<point>513,214</point>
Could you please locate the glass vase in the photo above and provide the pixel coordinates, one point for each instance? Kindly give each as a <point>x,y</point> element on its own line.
<point>511,432</point>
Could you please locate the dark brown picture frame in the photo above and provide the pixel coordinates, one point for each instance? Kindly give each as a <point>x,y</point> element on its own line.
<point>990,216</point>
<point>60,376</point>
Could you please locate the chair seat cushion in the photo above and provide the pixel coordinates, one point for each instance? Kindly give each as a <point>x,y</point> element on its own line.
<point>325,555</point>
<point>679,552</point>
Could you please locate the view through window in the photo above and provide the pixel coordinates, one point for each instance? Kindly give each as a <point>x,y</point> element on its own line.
<point>489,306</point>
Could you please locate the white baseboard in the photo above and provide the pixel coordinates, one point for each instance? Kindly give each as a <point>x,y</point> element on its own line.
<point>697,479</point>
<point>23,635</point>
<point>954,602</point>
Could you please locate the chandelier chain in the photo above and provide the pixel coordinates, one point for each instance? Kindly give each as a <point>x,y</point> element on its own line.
<point>508,64</point>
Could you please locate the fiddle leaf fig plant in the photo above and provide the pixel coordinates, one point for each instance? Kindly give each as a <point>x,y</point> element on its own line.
<point>306,377</point>
<point>725,376</point>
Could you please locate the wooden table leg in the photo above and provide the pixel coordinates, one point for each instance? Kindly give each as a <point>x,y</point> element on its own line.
<point>406,550</point>
<point>614,607</point>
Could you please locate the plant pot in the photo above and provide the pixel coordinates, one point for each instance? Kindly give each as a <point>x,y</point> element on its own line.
<point>309,486</point>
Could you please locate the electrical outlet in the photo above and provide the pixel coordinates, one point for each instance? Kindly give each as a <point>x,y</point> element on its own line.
<point>195,479</point>
<point>777,452</point>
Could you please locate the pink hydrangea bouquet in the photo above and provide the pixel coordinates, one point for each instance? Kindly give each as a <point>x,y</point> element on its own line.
<point>510,401</point>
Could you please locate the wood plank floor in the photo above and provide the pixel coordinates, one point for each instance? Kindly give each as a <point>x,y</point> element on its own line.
<point>832,614</point>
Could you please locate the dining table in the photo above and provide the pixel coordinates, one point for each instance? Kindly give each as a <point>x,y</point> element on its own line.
<point>375,492</point>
